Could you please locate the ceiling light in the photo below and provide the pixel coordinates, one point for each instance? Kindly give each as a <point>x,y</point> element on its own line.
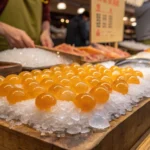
<point>125,18</point>
<point>81,10</point>
<point>61,6</point>
<point>132,19</point>
<point>67,21</point>
<point>134,24</point>
<point>62,20</point>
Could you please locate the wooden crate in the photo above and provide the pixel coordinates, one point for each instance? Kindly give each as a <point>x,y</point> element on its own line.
<point>122,135</point>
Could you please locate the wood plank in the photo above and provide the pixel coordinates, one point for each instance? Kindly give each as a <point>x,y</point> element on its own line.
<point>123,134</point>
<point>143,143</point>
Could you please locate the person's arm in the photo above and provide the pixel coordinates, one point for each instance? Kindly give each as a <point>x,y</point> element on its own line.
<point>45,34</point>
<point>15,37</point>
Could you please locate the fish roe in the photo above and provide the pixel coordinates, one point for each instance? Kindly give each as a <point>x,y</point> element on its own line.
<point>85,102</point>
<point>45,101</point>
<point>100,94</point>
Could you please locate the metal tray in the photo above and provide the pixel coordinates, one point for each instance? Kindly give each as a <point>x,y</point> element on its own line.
<point>7,68</point>
<point>136,61</point>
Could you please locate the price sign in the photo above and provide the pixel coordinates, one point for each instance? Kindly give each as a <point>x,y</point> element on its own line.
<point>107,20</point>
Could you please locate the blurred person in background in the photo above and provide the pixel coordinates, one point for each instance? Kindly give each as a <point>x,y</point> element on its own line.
<point>78,30</point>
<point>143,23</point>
<point>24,23</point>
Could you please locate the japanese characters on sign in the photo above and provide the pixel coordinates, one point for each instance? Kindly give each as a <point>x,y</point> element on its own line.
<point>107,20</point>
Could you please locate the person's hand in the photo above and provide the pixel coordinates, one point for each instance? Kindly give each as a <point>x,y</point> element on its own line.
<point>16,37</point>
<point>46,39</point>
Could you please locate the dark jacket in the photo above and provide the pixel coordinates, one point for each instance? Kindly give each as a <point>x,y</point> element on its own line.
<point>143,22</point>
<point>77,32</point>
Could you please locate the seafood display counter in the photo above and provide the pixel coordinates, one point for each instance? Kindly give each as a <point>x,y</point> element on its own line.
<point>74,107</point>
<point>123,134</point>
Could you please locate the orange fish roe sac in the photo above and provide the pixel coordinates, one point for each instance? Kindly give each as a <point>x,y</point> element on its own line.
<point>25,74</point>
<point>1,79</point>
<point>54,89</point>
<point>28,80</point>
<point>47,83</point>
<point>12,79</point>
<point>65,95</point>
<point>85,85</point>
<point>100,94</point>
<point>81,87</point>
<point>5,88</point>
<point>45,101</point>
<point>106,85</point>
<point>138,74</point>
<point>36,72</point>
<point>133,80</point>
<point>40,77</point>
<point>120,86</point>
<point>74,80</point>
<point>106,79</point>
<point>16,95</point>
<point>36,91</point>
<point>85,102</point>
<point>47,71</point>
<point>30,86</point>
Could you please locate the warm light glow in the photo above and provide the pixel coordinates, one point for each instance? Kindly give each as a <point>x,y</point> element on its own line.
<point>61,6</point>
<point>80,10</point>
<point>134,24</point>
<point>125,18</point>
<point>132,19</point>
<point>62,20</point>
<point>67,21</point>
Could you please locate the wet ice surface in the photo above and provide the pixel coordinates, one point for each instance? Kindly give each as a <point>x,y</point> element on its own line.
<point>65,117</point>
<point>33,57</point>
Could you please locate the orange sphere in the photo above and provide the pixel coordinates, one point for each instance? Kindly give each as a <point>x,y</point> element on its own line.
<point>55,68</point>
<point>65,82</point>
<point>1,79</point>
<point>55,89</point>
<point>45,101</point>
<point>82,74</point>
<point>121,87</point>
<point>36,72</point>
<point>12,79</point>
<point>30,86</point>
<point>46,83</point>
<point>106,79</point>
<point>40,77</point>
<point>27,80</point>
<point>93,82</point>
<point>47,71</point>
<point>69,75</point>
<point>25,74</point>
<point>100,94</point>
<point>16,95</point>
<point>107,72</point>
<point>81,87</point>
<point>106,85</point>
<point>75,79</point>
<point>97,75</point>
<point>115,74</point>
<point>138,74</point>
<point>36,91</point>
<point>65,95</point>
<point>5,88</point>
<point>85,102</point>
<point>133,80</point>
<point>88,78</point>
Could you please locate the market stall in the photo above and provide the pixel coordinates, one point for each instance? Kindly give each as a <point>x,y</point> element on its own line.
<point>77,98</point>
